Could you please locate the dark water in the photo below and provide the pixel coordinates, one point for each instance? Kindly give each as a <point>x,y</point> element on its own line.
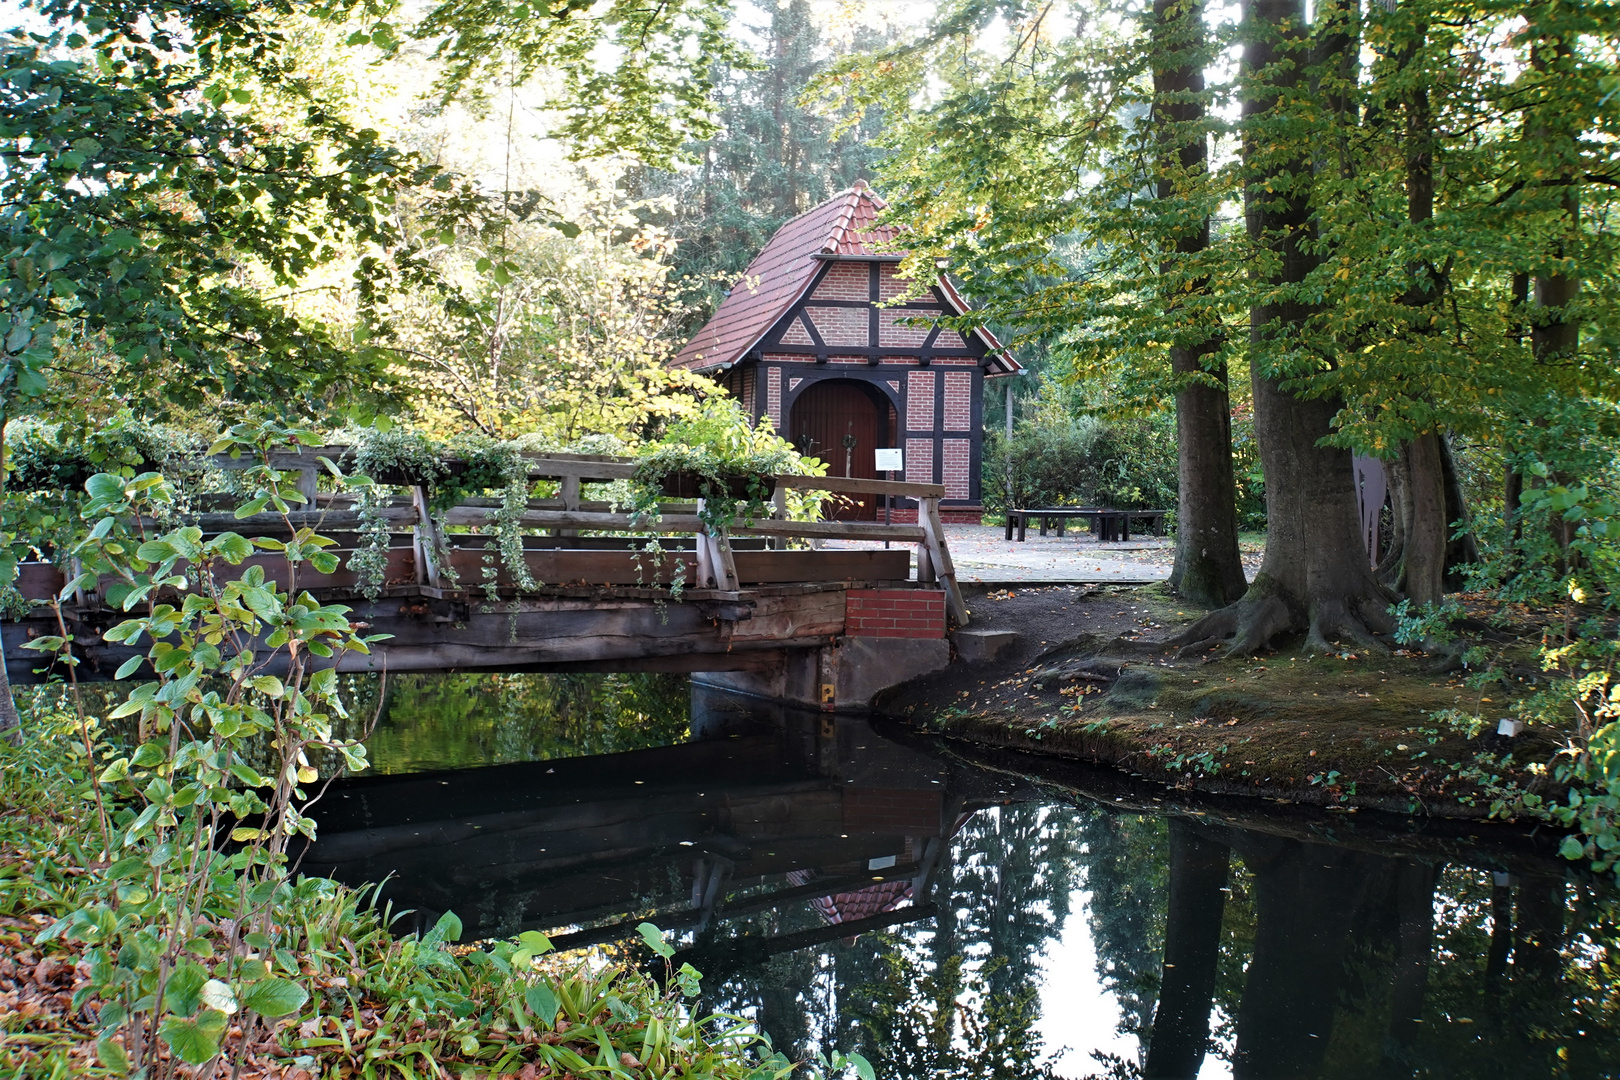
<point>949,917</point>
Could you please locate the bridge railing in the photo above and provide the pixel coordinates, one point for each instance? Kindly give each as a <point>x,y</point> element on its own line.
<point>721,560</point>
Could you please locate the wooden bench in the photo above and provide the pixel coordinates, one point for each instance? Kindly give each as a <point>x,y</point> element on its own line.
<point>1044,516</point>
<point>1109,525</point>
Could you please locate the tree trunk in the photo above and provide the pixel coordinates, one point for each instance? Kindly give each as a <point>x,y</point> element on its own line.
<point>1315,575</point>
<point>1555,337</point>
<point>1419,563</point>
<point>1462,548</point>
<point>1192,940</point>
<point>1424,554</point>
<point>1208,569</point>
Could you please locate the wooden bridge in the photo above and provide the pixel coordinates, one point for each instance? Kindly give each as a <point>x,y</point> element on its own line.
<point>763,598</point>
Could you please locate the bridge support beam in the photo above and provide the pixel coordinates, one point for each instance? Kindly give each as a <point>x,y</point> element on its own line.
<point>845,676</point>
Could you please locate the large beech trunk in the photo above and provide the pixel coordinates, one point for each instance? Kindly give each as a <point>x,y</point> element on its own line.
<point>1315,576</point>
<point>1208,569</point>
<point>1416,564</point>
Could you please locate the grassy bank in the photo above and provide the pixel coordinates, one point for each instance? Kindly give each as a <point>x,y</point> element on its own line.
<point>353,999</point>
<point>1095,680</point>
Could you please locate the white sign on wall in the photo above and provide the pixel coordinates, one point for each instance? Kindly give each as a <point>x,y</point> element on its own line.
<point>889,459</point>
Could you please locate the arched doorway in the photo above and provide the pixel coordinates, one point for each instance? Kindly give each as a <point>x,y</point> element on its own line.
<point>842,421</point>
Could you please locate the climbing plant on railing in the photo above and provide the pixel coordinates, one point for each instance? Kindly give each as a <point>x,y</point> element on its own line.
<point>448,472</point>
<point>728,460</point>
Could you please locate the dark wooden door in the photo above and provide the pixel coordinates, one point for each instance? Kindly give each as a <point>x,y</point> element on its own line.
<point>826,418</point>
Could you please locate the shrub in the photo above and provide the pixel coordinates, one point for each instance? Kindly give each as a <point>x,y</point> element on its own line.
<point>1084,461</point>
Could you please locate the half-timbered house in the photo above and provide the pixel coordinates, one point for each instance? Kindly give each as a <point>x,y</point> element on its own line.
<point>812,337</point>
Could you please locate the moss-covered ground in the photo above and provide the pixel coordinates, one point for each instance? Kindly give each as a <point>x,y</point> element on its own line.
<point>1094,678</point>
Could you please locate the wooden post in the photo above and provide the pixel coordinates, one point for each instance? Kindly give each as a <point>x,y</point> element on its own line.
<point>925,563</point>
<point>306,486</point>
<point>934,533</point>
<point>426,542</point>
<point>779,512</point>
<point>568,490</point>
<point>725,563</point>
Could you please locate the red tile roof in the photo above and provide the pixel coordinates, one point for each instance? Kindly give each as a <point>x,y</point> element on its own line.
<point>780,275</point>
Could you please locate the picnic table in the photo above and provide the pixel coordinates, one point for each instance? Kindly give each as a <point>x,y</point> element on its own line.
<point>1110,525</point>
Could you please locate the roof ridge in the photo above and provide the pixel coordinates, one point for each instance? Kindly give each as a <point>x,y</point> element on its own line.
<point>846,218</point>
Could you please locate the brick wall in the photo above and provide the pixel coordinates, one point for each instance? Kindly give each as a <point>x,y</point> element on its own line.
<point>796,334</point>
<point>920,402</point>
<point>894,613</point>
<point>948,515</point>
<point>957,454</point>
<point>920,461</point>
<point>892,811</point>
<point>890,284</point>
<point>841,325</point>
<point>773,396</point>
<point>892,334</point>
<point>958,401</point>
<point>844,281</point>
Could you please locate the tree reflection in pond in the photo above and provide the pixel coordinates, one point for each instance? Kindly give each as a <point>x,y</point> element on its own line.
<point>1227,952</point>
<point>455,721</point>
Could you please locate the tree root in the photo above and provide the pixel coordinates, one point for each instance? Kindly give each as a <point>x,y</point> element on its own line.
<point>1332,618</point>
<point>1249,625</point>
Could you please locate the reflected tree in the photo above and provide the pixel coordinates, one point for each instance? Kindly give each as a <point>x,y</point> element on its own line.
<point>460,720</point>
<point>1126,871</point>
<point>957,995</point>
<point>1192,938</point>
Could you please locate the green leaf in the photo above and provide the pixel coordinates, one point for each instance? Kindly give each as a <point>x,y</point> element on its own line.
<point>1572,848</point>
<point>542,1002</point>
<point>112,1056</point>
<point>218,995</point>
<point>188,1039</point>
<point>654,938</point>
<point>180,993</point>
<point>126,868</point>
<point>148,755</point>
<point>269,686</point>
<point>274,997</point>
<point>232,547</point>
<point>155,551</point>
<point>448,928</point>
<point>863,1068</point>
<point>128,667</point>
<point>535,942</point>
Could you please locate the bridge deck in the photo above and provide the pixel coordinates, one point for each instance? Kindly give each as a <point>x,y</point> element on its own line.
<point>703,601</point>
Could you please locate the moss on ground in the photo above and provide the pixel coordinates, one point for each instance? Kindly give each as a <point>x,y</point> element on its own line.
<point>1349,730</point>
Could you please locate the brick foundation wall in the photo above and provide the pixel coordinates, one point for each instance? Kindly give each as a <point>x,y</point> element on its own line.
<point>894,613</point>
<point>948,515</point>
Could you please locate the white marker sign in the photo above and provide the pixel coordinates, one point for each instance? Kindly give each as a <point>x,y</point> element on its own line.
<point>890,459</point>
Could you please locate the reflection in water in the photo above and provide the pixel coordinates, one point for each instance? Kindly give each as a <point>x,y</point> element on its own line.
<point>456,721</point>
<point>845,890</point>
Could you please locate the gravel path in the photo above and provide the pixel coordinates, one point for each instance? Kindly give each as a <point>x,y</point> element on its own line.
<point>983,556</point>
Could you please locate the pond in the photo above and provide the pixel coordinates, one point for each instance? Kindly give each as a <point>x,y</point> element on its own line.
<point>952,915</point>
